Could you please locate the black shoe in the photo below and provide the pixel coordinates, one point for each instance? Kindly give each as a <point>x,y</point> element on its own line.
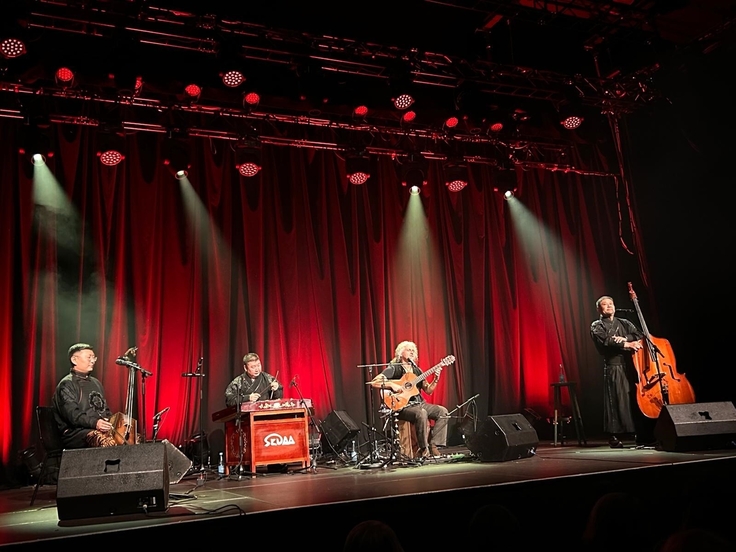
<point>615,443</point>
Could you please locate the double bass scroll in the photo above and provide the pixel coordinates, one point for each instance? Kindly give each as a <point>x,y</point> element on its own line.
<point>659,382</point>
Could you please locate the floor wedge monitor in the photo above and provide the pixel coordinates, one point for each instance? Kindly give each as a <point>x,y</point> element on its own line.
<point>102,482</point>
<point>502,438</point>
<point>696,426</point>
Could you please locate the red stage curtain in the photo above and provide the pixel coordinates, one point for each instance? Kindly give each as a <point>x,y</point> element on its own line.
<point>299,266</point>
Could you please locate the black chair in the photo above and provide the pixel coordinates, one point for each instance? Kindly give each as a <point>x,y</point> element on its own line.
<point>50,436</point>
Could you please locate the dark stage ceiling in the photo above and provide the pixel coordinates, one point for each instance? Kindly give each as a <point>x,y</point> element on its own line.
<point>313,62</point>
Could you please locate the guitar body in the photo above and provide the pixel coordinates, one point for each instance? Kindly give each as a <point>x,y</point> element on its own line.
<point>396,400</point>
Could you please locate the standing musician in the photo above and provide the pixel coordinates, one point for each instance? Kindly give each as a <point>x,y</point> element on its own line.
<point>253,384</point>
<point>617,339</point>
<point>417,411</point>
<point>81,410</point>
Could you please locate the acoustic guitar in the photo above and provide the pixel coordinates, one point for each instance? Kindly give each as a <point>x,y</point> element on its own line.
<point>396,400</point>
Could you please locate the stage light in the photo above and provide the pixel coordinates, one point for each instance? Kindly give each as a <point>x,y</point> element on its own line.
<point>570,117</point>
<point>403,101</point>
<point>496,127</point>
<point>176,157</point>
<point>360,111</point>
<point>38,159</point>
<point>409,116</point>
<point>192,92</point>
<point>248,160</point>
<point>12,48</point>
<point>232,78</point>
<point>508,194</point>
<point>111,149</point>
<point>64,77</point>
<point>456,175</point>
<point>413,170</point>
<point>251,99</point>
<point>358,168</point>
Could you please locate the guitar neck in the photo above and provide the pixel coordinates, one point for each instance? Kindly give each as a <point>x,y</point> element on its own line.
<point>426,374</point>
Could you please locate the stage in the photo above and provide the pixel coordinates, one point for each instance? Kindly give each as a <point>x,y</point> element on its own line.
<point>550,491</point>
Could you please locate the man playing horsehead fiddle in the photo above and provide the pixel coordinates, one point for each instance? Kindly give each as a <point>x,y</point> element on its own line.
<point>81,410</point>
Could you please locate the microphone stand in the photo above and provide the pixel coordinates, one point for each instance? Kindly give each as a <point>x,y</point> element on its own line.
<point>240,472</point>
<point>372,456</point>
<point>312,468</point>
<point>199,375</point>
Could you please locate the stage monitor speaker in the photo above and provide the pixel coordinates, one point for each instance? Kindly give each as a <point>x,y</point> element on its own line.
<point>502,438</point>
<point>178,462</point>
<point>696,426</point>
<point>338,429</point>
<point>108,481</point>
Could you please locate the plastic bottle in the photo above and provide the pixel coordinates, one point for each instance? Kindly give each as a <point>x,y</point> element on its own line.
<point>221,465</point>
<point>354,453</point>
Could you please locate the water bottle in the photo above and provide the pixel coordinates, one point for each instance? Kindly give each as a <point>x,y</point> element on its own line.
<point>221,465</point>
<point>354,453</point>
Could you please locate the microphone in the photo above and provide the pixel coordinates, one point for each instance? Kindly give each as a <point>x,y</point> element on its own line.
<point>293,381</point>
<point>164,411</point>
<point>199,364</point>
<point>133,365</point>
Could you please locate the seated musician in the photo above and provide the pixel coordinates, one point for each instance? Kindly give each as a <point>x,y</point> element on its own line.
<point>81,410</point>
<point>253,384</point>
<point>417,411</point>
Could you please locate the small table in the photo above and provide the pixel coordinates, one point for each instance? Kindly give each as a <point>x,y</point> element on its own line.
<point>577,418</point>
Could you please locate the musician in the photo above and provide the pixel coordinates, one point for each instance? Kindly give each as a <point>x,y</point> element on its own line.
<point>81,410</point>
<point>253,384</point>
<point>617,339</point>
<point>417,411</point>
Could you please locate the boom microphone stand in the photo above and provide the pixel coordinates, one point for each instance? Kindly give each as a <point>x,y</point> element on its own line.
<point>372,459</point>
<point>312,468</point>
<point>199,375</point>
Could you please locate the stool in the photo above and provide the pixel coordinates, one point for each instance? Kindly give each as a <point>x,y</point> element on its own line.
<point>407,439</point>
<point>577,418</point>
<point>408,444</point>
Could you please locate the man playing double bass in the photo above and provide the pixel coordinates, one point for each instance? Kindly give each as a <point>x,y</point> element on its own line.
<point>617,339</point>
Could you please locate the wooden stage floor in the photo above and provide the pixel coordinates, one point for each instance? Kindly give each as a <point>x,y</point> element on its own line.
<point>550,492</point>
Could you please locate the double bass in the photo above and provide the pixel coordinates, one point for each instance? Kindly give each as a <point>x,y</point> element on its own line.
<point>659,381</point>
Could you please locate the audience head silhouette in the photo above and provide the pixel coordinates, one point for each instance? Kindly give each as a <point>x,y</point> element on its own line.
<point>372,535</point>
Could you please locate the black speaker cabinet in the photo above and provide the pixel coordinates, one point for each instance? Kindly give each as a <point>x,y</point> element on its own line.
<point>338,429</point>
<point>101,482</point>
<point>696,426</point>
<point>501,438</point>
<point>178,462</point>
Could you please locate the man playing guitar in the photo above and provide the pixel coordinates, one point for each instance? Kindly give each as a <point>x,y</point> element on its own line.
<point>401,384</point>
